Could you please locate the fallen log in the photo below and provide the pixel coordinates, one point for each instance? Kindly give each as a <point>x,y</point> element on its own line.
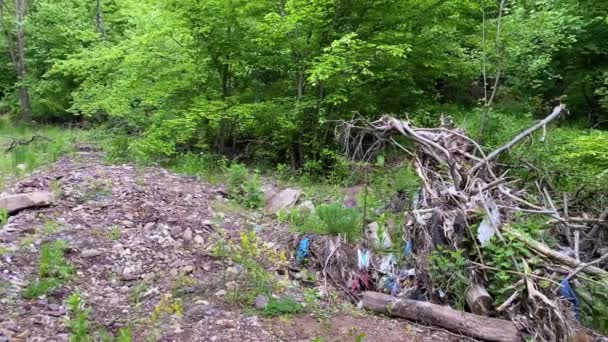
<point>480,327</point>
<point>15,203</point>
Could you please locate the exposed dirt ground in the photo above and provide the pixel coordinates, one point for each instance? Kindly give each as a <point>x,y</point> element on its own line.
<point>136,235</point>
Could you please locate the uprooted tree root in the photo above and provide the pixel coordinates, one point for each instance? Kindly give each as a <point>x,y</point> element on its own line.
<point>460,181</point>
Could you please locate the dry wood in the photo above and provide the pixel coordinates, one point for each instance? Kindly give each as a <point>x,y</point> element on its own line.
<point>480,327</point>
<point>556,256</point>
<point>479,300</point>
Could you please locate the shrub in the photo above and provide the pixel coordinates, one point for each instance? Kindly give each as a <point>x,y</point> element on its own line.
<point>448,272</point>
<point>282,306</point>
<point>244,188</point>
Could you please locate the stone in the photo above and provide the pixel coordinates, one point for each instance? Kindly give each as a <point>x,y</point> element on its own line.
<point>261,302</point>
<point>307,206</point>
<point>149,226</point>
<point>188,269</point>
<point>187,234</point>
<point>175,231</point>
<point>91,253</point>
<point>285,199</point>
<point>15,203</point>
<point>252,321</point>
<point>199,239</point>
<point>220,293</point>
<point>128,224</point>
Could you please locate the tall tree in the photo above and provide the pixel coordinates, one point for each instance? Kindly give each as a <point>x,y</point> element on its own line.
<point>24,96</point>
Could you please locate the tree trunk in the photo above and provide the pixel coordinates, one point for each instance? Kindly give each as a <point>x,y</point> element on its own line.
<point>480,327</point>
<point>24,97</point>
<point>99,20</point>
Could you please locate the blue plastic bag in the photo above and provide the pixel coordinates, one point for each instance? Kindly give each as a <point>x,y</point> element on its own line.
<point>303,250</point>
<point>567,292</point>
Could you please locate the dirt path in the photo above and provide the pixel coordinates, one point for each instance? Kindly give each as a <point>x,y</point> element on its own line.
<point>139,239</point>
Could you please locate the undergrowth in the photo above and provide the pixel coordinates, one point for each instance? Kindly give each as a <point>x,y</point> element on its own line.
<point>53,270</point>
<point>26,158</point>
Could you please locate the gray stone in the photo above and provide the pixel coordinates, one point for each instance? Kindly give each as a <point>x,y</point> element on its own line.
<point>261,302</point>
<point>285,199</point>
<point>91,253</point>
<point>199,239</point>
<point>187,234</point>
<point>15,203</point>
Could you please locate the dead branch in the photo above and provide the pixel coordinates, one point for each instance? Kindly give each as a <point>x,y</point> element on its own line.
<point>557,111</point>
<point>24,142</point>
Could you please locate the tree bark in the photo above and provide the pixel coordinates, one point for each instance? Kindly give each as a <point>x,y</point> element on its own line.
<point>480,327</point>
<point>99,20</point>
<point>24,97</point>
<point>479,300</point>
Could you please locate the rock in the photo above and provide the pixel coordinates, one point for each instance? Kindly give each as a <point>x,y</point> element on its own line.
<point>187,234</point>
<point>283,200</point>
<point>175,231</point>
<point>199,239</point>
<point>261,302</point>
<point>307,206</point>
<point>188,269</point>
<point>128,224</point>
<point>15,203</point>
<point>213,338</point>
<point>220,293</point>
<point>252,321</point>
<point>91,253</point>
<point>149,226</point>
<point>226,323</point>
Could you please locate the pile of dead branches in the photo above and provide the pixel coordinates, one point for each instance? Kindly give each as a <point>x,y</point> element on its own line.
<point>460,181</point>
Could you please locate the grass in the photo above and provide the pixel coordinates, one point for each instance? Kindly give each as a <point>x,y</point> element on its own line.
<point>53,270</point>
<point>24,159</point>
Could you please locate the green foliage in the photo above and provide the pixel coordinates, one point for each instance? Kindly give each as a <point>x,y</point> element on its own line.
<point>82,329</point>
<point>53,270</point>
<point>78,324</point>
<point>339,220</point>
<point>282,306</point>
<point>327,219</point>
<point>243,187</point>
<point>26,158</point>
<point>253,257</point>
<point>3,216</point>
<point>449,274</point>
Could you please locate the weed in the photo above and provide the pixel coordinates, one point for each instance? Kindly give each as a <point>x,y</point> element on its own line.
<point>3,216</point>
<point>448,272</point>
<point>137,291</point>
<point>78,324</point>
<point>244,188</point>
<point>53,270</point>
<point>50,227</point>
<point>81,328</point>
<point>282,307</point>
<point>340,220</point>
<point>115,233</point>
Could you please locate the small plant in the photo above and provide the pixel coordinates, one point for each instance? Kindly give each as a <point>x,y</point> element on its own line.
<point>339,220</point>
<point>244,188</point>
<point>282,307</point>
<point>3,216</point>
<point>115,233</point>
<point>78,323</point>
<point>448,272</point>
<point>50,227</point>
<point>53,270</point>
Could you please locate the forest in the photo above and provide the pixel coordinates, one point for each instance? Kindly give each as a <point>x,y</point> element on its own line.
<point>418,102</point>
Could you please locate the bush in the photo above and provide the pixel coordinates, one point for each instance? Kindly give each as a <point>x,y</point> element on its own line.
<point>328,219</point>
<point>243,187</point>
<point>282,306</point>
